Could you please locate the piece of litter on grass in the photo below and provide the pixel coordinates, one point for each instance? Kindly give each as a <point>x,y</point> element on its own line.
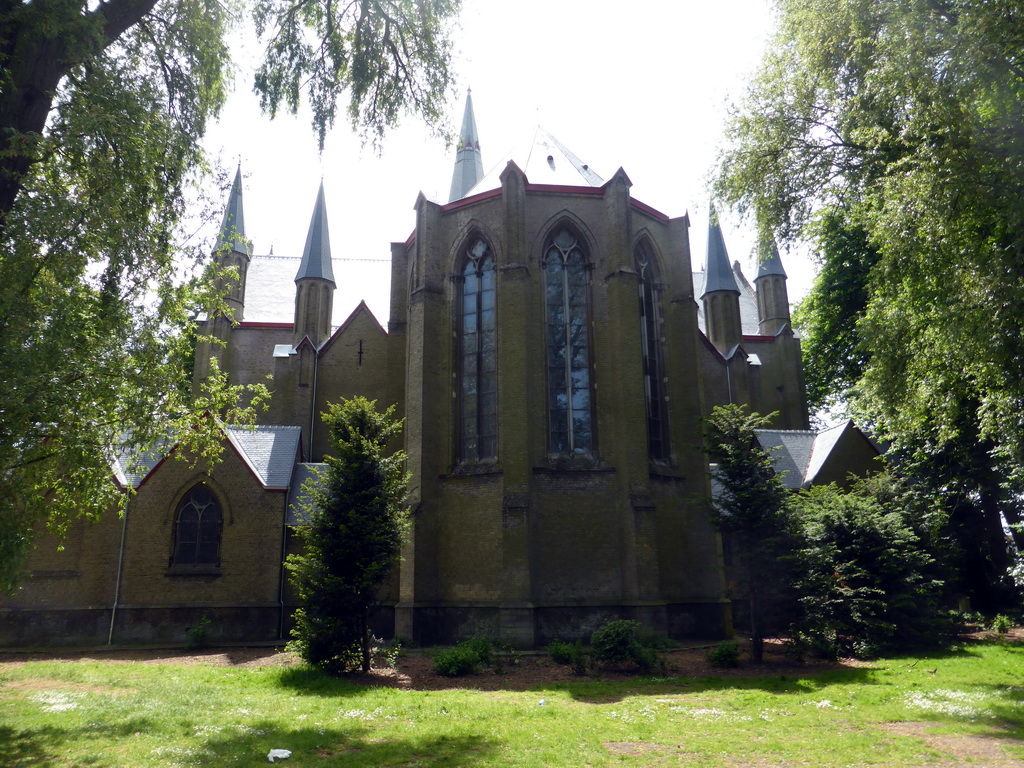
<point>278,754</point>
<point>541,703</point>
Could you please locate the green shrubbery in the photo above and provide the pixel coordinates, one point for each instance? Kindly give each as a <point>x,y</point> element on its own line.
<point>725,655</point>
<point>616,642</point>
<point>471,656</point>
<point>866,582</point>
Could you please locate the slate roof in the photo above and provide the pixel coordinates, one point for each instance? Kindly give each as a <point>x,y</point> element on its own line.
<point>270,452</point>
<point>232,228</point>
<point>297,495</point>
<point>718,272</point>
<point>748,301</point>
<point>316,255</point>
<point>801,453</point>
<point>469,164</point>
<point>131,467</point>
<point>544,161</point>
<point>270,291</point>
<point>768,261</point>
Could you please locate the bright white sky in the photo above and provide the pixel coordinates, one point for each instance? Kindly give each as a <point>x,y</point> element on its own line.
<point>642,85</point>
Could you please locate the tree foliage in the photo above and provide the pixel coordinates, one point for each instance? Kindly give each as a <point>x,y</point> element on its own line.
<point>751,509</point>
<point>354,525</point>
<point>866,580</point>
<point>102,108</point>
<point>889,136</point>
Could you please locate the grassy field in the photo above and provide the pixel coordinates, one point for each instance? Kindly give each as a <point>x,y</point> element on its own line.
<point>959,708</point>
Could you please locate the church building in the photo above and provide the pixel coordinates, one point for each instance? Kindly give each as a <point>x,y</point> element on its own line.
<point>552,346</point>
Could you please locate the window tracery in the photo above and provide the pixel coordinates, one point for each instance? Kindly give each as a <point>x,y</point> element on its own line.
<point>567,305</point>
<point>478,387</point>
<point>197,529</point>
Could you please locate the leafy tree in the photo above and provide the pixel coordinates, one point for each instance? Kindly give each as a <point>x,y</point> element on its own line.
<point>752,510</point>
<point>866,580</point>
<point>355,524</point>
<point>102,109</point>
<point>888,136</point>
<point>828,318</point>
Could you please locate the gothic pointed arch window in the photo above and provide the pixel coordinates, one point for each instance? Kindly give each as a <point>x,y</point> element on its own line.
<point>650,339</point>
<point>567,341</point>
<point>197,529</point>
<point>478,374</point>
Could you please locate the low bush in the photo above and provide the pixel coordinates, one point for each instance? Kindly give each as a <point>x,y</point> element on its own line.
<point>1002,624</point>
<point>616,642</point>
<point>571,654</point>
<point>470,656</point>
<point>725,655</point>
<point>198,635</point>
<point>561,653</point>
<point>457,661</point>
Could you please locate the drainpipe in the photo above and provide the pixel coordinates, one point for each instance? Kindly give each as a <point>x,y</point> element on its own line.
<point>284,553</point>
<point>728,378</point>
<point>120,564</point>
<point>312,404</point>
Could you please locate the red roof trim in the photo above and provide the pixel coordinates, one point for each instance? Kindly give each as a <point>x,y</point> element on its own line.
<point>253,324</point>
<point>565,189</point>
<point>762,338</point>
<point>477,198</point>
<point>649,210</point>
<point>149,474</point>
<point>714,349</point>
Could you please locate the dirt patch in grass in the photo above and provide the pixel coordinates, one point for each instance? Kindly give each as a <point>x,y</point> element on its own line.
<point>966,750</point>
<point>45,684</point>
<point>415,669</point>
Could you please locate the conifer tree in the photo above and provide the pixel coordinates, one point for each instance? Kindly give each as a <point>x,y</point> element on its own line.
<point>355,523</point>
<point>751,508</point>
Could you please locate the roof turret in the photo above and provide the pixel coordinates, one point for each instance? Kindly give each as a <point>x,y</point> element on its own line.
<point>768,262</point>
<point>232,229</point>
<point>469,164</point>
<point>316,256</point>
<point>719,272</point>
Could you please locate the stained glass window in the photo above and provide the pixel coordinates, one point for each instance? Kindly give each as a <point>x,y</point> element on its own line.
<point>650,339</point>
<point>478,352</point>
<point>566,287</point>
<point>197,529</point>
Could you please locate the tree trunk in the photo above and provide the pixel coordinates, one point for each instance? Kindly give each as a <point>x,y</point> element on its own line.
<point>40,43</point>
<point>756,637</point>
<point>366,640</point>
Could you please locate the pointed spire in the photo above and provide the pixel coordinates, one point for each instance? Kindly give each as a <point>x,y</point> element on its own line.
<point>469,164</point>
<point>772,296</point>
<point>719,272</point>
<point>768,262</point>
<point>232,229</point>
<point>316,256</point>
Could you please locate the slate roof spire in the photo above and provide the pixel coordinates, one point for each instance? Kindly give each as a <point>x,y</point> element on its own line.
<point>719,272</point>
<point>232,228</point>
<point>469,164</point>
<point>769,262</point>
<point>316,256</point>
<point>772,295</point>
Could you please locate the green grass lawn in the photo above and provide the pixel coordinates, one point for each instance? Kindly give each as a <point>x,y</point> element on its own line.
<point>950,709</point>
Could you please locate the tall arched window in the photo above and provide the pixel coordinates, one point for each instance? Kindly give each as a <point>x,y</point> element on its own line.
<point>197,528</point>
<point>650,338</point>
<point>478,401</point>
<point>568,345</point>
